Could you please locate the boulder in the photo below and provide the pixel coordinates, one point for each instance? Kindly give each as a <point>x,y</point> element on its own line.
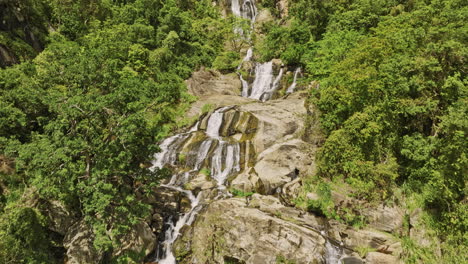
<point>385,218</point>
<point>78,242</point>
<point>380,258</point>
<point>281,163</point>
<point>283,7</point>
<point>278,120</point>
<point>263,16</point>
<point>421,234</point>
<point>351,260</point>
<point>367,238</point>
<point>248,181</point>
<point>61,219</point>
<point>140,240</point>
<point>208,83</point>
<point>291,190</point>
<point>214,90</point>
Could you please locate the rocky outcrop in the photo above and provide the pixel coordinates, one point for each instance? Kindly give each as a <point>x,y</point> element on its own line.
<point>61,218</point>
<point>380,258</point>
<point>259,230</point>
<point>79,245</point>
<point>7,58</point>
<point>205,83</point>
<point>385,218</point>
<point>366,238</point>
<point>423,236</point>
<point>166,203</point>
<point>140,240</point>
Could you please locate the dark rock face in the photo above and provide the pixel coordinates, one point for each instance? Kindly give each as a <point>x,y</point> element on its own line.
<point>20,23</point>
<point>352,260</point>
<point>7,58</point>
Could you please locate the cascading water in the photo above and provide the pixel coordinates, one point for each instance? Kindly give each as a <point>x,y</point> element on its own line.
<point>333,254</point>
<point>247,10</point>
<point>267,95</point>
<point>293,85</point>
<point>263,80</point>
<point>263,86</point>
<point>225,160</point>
<point>235,8</point>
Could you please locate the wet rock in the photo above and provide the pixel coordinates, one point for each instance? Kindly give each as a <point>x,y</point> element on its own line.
<point>351,260</point>
<point>166,203</point>
<point>200,183</point>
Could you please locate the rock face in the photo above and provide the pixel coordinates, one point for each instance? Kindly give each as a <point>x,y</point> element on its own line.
<point>140,240</point>
<point>208,83</point>
<point>380,258</point>
<point>257,231</point>
<point>385,218</point>
<point>79,239</point>
<point>61,218</point>
<point>79,244</point>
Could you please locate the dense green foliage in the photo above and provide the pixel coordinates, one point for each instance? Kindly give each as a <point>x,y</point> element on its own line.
<point>392,97</point>
<point>79,122</point>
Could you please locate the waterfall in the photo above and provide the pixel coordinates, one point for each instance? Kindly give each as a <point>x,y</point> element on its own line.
<point>245,86</point>
<point>228,155</point>
<point>262,87</point>
<point>333,254</point>
<point>215,121</point>
<point>263,79</point>
<point>268,94</point>
<point>173,231</point>
<point>221,155</point>
<point>235,8</point>
<point>225,160</point>
<point>293,85</point>
<point>168,153</point>
<point>249,10</point>
<point>248,55</point>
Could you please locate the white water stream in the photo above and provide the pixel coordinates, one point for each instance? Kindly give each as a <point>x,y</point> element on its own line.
<point>225,160</point>
<point>264,84</point>
<point>293,85</point>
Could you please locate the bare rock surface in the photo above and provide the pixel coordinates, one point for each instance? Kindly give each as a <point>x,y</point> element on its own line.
<point>380,258</point>
<point>251,232</point>
<point>140,240</point>
<point>79,245</point>
<point>386,218</point>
